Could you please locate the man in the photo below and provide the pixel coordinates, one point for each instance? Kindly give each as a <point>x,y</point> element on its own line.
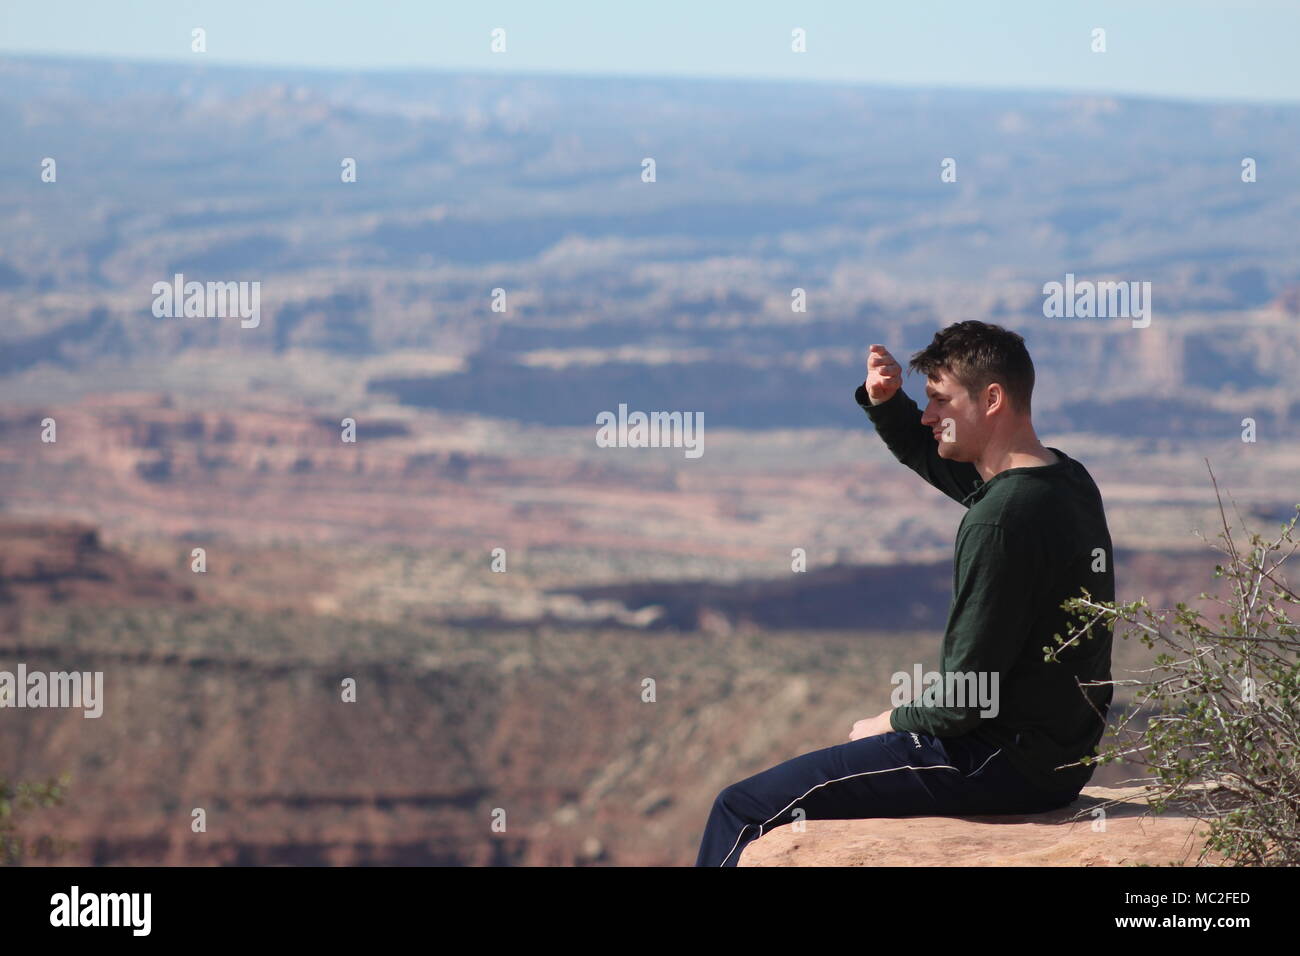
<point>1034,535</point>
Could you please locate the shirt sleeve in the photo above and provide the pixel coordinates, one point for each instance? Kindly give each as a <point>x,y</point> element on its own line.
<point>898,422</point>
<point>988,627</point>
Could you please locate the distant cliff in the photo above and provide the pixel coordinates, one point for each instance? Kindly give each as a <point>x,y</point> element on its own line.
<point>46,562</point>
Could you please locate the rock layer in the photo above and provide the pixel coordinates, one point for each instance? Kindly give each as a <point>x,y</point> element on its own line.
<point>1104,827</point>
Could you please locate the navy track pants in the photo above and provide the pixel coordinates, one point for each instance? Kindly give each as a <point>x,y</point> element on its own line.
<point>889,775</point>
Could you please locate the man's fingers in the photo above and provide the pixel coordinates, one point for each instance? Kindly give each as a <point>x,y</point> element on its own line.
<point>879,357</point>
<point>883,373</point>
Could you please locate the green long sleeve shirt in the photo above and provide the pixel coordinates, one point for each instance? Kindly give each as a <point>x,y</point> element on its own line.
<point>1030,539</point>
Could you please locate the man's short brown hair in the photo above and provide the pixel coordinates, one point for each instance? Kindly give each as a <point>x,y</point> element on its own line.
<point>978,354</point>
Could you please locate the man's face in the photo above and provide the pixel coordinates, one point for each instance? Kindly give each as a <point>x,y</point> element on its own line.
<point>954,418</point>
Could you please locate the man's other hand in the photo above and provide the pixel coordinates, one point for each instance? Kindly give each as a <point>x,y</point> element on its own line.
<point>884,375</point>
<point>872,726</point>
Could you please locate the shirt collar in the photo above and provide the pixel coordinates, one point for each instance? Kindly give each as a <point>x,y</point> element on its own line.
<point>1056,467</point>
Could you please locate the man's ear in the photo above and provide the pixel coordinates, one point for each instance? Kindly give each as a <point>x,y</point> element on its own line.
<point>995,397</point>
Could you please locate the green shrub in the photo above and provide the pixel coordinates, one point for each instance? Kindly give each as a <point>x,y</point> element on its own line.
<point>1222,734</point>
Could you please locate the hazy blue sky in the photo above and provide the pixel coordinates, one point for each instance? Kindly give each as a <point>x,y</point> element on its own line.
<point>1203,49</point>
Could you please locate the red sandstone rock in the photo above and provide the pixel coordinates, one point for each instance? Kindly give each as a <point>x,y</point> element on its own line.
<point>1072,836</point>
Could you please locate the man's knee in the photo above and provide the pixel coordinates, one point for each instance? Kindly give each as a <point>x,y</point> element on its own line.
<point>738,802</point>
<point>727,797</point>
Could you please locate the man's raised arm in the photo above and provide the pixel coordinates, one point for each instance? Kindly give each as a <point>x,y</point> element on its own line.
<point>898,421</point>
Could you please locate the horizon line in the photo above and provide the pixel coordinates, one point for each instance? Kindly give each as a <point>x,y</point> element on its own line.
<point>562,74</point>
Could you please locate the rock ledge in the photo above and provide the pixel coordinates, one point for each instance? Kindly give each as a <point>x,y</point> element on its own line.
<point>1071,836</point>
